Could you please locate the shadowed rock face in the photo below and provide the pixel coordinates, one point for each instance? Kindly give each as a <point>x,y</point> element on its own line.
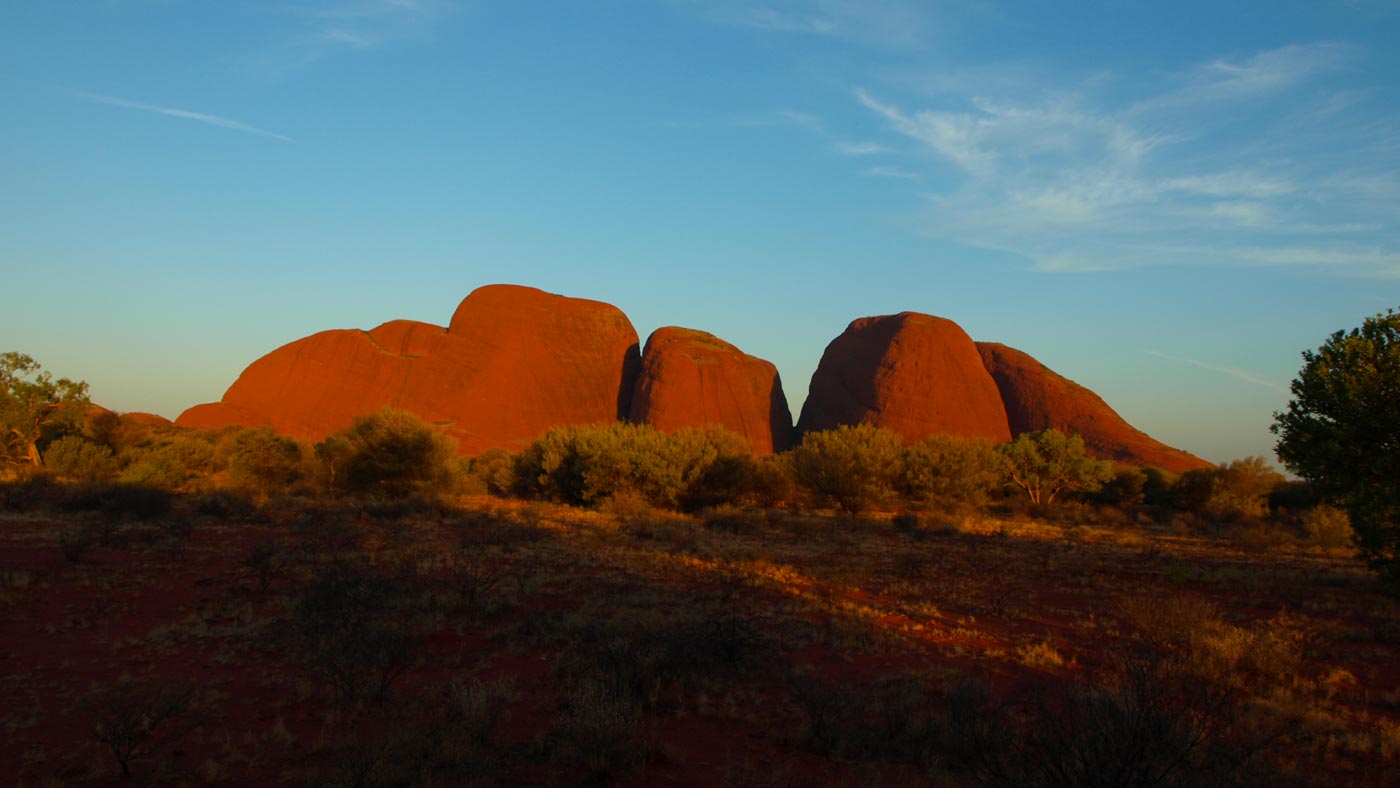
<point>912,373</point>
<point>691,379</point>
<point>514,362</point>
<point>1036,399</point>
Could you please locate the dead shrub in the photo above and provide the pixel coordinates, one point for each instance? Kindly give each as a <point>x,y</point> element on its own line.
<point>136,718</point>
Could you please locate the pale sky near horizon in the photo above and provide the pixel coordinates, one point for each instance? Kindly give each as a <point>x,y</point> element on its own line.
<point>1165,202</point>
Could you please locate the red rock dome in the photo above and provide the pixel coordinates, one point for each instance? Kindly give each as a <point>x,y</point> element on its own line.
<point>514,362</point>
<point>912,373</point>
<point>694,379</point>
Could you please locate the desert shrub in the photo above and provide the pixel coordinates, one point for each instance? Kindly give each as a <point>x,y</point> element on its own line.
<point>728,477</point>
<point>1157,486</point>
<point>77,459</point>
<point>1192,490</point>
<point>893,719</point>
<point>950,473</point>
<point>1144,725</point>
<point>392,454</point>
<point>135,718</point>
<point>732,520</point>
<point>1328,527</point>
<point>591,464</point>
<point>1126,487</point>
<point>771,483</point>
<point>598,730</point>
<point>1232,492</point>
<point>494,469</point>
<point>348,626</point>
<point>1292,495</point>
<point>1242,488</point>
<point>854,468</point>
<point>1260,535</point>
<point>104,427</point>
<point>170,462</point>
<point>450,735</point>
<point>262,460</point>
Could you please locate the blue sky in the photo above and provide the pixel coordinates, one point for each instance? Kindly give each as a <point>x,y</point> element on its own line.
<point>1166,202</point>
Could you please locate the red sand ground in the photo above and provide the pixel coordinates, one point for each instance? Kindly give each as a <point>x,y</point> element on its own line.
<point>846,604</point>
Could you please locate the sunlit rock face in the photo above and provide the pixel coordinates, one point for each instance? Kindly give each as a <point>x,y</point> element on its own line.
<point>1036,399</point>
<point>912,373</point>
<point>690,378</point>
<point>513,362</point>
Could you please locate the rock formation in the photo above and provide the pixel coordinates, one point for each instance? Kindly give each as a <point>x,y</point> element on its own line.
<point>691,378</point>
<point>913,373</point>
<point>513,362</point>
<point>1036,399</point>
<point>516,361</point>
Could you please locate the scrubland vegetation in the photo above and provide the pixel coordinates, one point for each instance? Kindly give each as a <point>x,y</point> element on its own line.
<point>612,605</point>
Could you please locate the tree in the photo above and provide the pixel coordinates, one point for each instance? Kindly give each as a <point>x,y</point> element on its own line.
<point>1341,432</point>
<point>855,467</point>
<point>1049,462</point>
<point>35,408</point>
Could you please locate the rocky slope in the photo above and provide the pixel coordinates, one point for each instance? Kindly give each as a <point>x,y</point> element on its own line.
<point>1036,398</point>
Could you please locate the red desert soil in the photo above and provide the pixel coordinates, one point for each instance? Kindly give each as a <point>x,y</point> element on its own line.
<point>691,378</point>
<point>840,606</point>
<point>514,362</point>
<point>1036,399</point>
<point>915,374</point>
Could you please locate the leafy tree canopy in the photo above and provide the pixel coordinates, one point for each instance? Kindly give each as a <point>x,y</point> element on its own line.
<point>35,408</point>
<point>1049,462</point>
<point>1341,431</point>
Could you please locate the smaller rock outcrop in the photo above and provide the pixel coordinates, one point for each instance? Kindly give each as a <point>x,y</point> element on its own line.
<point>694,379</point>
<point>912,373</point>
<point>1036,398</point>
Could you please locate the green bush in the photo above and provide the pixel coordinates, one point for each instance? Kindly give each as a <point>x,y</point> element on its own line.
<point>1328,527</point>
<point>771,483</point>
<point>1232,492</point>
<point>588,465</point>
<point>80,460</point>
<point>493,471</point>
<point>263,460</point>
<point>854,468</point>
<point>1126,487</point>
<point>950,473</point>
<point>390,453</point>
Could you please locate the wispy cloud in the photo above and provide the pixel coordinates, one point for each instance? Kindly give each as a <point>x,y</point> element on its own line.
<point>1258,76</point>
<point>319,29</point>
<point>884,23</point>
<point>1239,374</point>
<point>860,148</point>
<point>1073,183</point>
<point>777,118</point>
<point>891,172</point>
<point>199,117</point>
